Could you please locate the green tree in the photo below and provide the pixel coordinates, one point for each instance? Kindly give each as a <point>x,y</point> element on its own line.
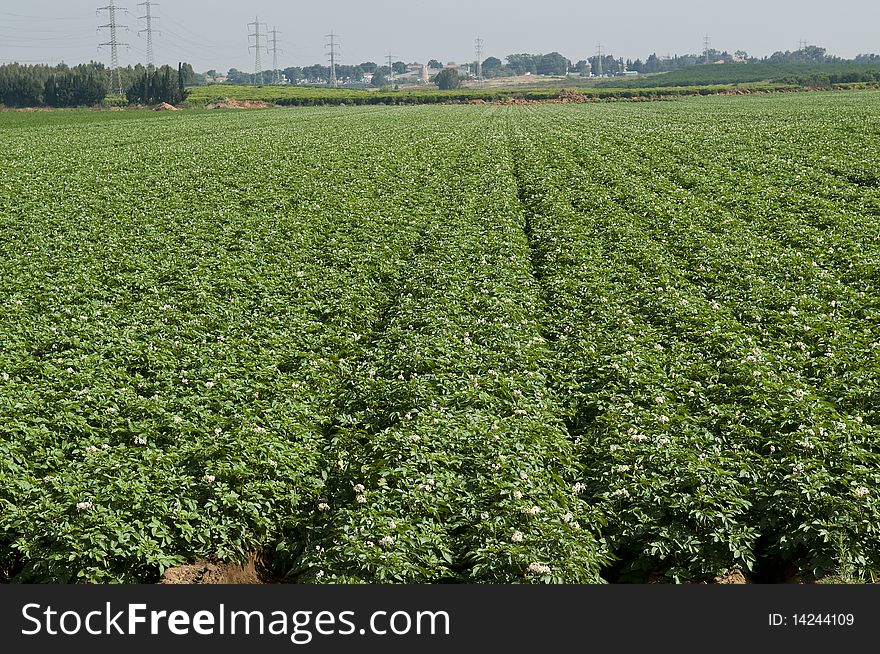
<point>181,88</point>
<point>492,67</point>
<point>316,73</point>
<point>188,75</point>
<point>652,65</point>
<point>369,66</point>
<point>293,74</point>
<point>520,64</point>
<point>436,65</point>
<point>157,85</point>
<point>235,76</point>
<point>553,64</point>
<point>448,79</point>
<point>398,67</point>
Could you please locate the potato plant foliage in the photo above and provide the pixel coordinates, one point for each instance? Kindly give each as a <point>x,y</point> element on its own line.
<point>543,344</point>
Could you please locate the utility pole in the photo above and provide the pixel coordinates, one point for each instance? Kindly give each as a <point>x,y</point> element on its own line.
<point>276,74</point>
<point>333,55</point>
<point>707,44</point>
<point>599,56</point>
<point>478,47</point>
<point>149,30</point>
<point>258,47</point>
<point>116,76</point>
<point>390,60</point>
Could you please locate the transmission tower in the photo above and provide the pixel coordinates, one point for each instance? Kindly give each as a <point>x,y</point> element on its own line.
<point>276,74</point>
<point>148,19</point>
<point>114,27</point>
<point>802,45</point>
<point>258,47</point>
<point>478,48</point>
<point>333,55</point>
<point>599,56</point>
<point>707,44</point>
<point>390,60</point>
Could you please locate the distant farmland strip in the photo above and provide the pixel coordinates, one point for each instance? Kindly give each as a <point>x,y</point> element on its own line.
<point>317,96</point>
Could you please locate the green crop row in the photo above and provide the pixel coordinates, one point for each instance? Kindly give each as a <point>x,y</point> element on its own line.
<point>796,74</point>
<point>317,96</point>
<point>730,374</point>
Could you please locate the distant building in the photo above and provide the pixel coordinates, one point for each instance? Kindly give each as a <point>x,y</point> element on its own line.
<point>416,72</point>
<point>464,70</point>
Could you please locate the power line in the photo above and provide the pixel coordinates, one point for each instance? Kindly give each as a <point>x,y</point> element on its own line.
<point>32,30</point>
<point>276,74</point>
<point>114,43</point>
<point>46,62</point>
<point>333,55</point>
<point>257,48</point>
<point>190,36</point>
<point>28,39</point>
<point>149,30</point>
<point>189,45</point>
<point>182,48</point>
<point>27,17</point>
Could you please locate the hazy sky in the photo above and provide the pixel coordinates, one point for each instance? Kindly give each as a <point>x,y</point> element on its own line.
<point>213,34</point>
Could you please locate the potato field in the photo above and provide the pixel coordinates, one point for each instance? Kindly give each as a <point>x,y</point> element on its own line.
<point>605,342</point>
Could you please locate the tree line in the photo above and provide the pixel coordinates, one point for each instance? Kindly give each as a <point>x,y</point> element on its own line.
<point>810,54</point>
<point>90,84</point>
<point>556,64</point>
<point>53,86</point>
<point>317,74</point>
<point>552,63</point>
<point>157,85</point>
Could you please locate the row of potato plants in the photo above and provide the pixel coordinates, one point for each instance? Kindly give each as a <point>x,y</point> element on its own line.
<point>447,459</point>
<point>718,331</point>
<point>175,330</point>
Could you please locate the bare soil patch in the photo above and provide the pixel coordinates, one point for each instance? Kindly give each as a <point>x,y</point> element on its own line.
<point>229,103</point>
<point>732,578</point>
<point>211,572</point>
